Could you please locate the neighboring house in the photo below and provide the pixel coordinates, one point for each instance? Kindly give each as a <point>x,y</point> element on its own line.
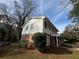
<point>42,25</point>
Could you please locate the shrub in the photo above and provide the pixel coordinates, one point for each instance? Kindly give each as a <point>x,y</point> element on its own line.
<point>24,43</point>
<point>2,34</point>
<point>39,41</point>
<point>69,36</point>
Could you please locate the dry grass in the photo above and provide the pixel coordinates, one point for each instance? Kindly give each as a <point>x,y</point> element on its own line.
<point>55,53</point>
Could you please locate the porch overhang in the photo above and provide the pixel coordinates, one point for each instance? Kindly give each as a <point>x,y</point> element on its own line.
<point>56,35</point>
<point>57,39</point>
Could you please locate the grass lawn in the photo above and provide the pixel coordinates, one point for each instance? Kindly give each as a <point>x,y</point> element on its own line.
<point>55,53</point>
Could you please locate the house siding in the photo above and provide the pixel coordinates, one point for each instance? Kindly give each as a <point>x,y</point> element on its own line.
<point>37,26</point>
<point>49,28</point>
<point>50,40</point>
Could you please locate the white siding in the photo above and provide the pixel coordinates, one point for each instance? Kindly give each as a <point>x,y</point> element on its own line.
<point>46,30</point>
<point>34,25</point>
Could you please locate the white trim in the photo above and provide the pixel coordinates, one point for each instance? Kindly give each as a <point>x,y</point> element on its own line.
<point>57,41</point>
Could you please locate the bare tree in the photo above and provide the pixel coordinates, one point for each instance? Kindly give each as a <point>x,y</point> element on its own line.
<point>5,23</point>
<point>22,11</point>
<point>5,14</point>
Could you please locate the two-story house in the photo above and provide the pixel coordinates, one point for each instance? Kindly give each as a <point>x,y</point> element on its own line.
<point>42,25</point>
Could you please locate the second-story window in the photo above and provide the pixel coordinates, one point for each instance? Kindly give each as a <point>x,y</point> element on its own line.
<point>32,26</point>
<point>26,27</point>
<point>45,24</point>
<point>49,27</point>
<point>52,29</point>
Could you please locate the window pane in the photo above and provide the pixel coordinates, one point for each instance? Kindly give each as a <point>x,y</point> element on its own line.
<point>26,27</point>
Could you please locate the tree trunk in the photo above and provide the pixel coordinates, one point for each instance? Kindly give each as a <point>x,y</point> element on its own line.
<point>9,34</point>
<point>19,35</point>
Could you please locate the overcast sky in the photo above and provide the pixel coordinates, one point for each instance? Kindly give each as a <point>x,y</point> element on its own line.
<point>55,10</point>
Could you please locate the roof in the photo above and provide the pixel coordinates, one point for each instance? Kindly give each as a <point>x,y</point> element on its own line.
<point>40,17</point>
<point>29,18</point>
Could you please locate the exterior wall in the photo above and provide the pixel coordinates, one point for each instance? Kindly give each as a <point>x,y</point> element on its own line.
<point>29,38</point>
<point>51,31</point>
<point>34,26</point>
<point>38,25</point>
<point>51,41</point>
<point>23,37</point>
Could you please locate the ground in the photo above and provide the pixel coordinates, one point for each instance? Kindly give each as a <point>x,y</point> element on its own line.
<point>23,53</point>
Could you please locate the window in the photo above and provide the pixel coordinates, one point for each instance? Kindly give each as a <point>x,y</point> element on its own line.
<point>45,25</point>
<point>32,26</point>
<point>26,27</point>
<point>52,29</point>
<point>49,27</point>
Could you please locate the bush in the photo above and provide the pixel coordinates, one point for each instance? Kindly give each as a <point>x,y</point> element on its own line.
<point>2,34</point>
<point>39,41</point>
<point>69,36</point>
<point>24,43</point>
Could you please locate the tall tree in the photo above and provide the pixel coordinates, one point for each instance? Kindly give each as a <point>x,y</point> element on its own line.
<point>74,16</point>
<point>5,14</point>
<point>22,11</point>
<point>73,1</point>
<point>5,17</point>
<point>74,13</point>
<point>69,34</point>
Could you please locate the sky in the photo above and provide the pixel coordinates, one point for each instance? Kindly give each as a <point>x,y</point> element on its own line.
<point>56,11</point>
